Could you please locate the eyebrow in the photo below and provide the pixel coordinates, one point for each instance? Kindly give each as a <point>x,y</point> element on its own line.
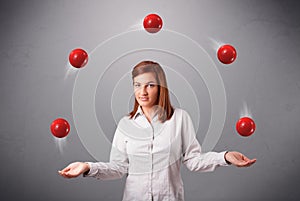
<point>146,83</point>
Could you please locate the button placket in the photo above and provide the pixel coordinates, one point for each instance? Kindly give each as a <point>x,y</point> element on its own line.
<point>151,153</point>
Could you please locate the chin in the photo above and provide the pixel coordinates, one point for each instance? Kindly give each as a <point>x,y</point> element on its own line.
<point>143,104</point>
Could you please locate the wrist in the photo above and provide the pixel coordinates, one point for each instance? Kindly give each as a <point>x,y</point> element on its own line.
<point>229,163</point>
<point>86,168</point>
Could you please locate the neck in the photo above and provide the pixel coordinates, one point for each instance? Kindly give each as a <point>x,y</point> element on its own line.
<point>148,112</point>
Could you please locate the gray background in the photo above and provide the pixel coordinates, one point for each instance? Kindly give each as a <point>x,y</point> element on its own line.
<point>37,37</point>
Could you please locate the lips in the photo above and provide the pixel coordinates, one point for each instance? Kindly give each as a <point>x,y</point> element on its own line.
<point>144,98</point>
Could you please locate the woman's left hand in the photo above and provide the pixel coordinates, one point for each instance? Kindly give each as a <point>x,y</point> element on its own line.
<point>238,159</point>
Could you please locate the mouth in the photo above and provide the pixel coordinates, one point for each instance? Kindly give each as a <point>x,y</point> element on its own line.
<point>144,98</point>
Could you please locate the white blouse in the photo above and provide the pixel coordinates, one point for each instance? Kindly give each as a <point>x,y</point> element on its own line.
<point>150,155</point>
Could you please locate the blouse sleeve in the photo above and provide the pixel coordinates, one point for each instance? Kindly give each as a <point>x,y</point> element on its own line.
<point>193,157</point>
<point>117,166</point>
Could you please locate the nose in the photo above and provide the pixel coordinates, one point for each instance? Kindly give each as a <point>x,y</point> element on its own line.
<point>144,90</point>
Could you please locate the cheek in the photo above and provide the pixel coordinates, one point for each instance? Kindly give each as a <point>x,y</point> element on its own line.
<point>135,94</point>
<point>155,93</point>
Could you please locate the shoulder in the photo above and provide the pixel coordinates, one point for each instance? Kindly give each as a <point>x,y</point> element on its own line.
<point>124,126</point>
<point>181,115</point>
<point>124,120</point>
<point>180,112</point>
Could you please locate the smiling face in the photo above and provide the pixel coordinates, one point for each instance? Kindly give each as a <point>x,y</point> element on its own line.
<point>146,90</point>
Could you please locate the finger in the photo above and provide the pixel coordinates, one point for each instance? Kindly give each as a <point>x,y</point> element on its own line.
<point>246,158</point>
<point>73,175</point>
<point>67,169</point>
<point>242,164</point>
<point>247,164</point>
<point>252,161</point>
<point>67,175</point>
<point>63,175</point>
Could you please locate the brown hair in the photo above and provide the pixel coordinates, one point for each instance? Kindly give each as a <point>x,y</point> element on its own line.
<point>166,110</point>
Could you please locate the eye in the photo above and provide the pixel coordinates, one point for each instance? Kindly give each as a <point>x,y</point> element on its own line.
<point>151,85</point>
<point>136,85</point>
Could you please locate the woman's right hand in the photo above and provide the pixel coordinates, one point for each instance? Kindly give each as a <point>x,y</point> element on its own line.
<point>74,169</point>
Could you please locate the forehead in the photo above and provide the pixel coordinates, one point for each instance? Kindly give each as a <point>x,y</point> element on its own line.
<point>145,77</point>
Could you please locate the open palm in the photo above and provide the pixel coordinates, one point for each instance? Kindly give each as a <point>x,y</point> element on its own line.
<point>74,170</point>
<point>238,159</point>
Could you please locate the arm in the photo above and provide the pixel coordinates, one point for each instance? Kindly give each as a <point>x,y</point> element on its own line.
<point>74,169</point>
<point>238,159</point>
<point>116,168</point>
<point>193,157</point>
<point>195,160</point>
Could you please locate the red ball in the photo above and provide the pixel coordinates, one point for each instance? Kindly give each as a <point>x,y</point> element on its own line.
<point>153,23</point>
<point>78,58</point>
<point>245,126</point>
<point>60,128</point>
<point>227,54</point>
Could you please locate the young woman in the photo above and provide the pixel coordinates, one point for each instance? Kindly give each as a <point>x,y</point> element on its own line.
<point>151,142</point>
